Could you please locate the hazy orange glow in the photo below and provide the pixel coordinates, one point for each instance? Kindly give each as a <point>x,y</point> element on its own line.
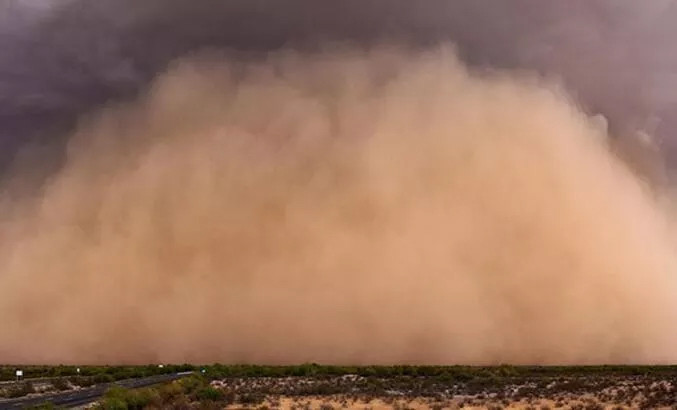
<point>341,207</point>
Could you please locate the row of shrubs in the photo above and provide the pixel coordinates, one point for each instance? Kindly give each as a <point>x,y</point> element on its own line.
<point>103,374</point>
<point>460,373</point>
<point>112,373</point>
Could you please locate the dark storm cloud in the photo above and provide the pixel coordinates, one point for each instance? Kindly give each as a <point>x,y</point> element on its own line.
<point>59,62</point>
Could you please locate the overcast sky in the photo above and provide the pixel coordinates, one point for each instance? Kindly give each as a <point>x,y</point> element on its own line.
<point>60,59</point>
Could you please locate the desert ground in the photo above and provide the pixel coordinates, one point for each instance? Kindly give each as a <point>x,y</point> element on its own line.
<point>312,386</point>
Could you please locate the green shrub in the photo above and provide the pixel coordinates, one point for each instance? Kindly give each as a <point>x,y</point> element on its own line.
<point>192,383</point>
<point>209,393</point>
<point>113,403</point>
<point>170,391</point>
<point>139,399</point>
<point>130,399</point>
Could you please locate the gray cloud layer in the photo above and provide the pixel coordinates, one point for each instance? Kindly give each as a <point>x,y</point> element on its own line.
<point>60,62</point>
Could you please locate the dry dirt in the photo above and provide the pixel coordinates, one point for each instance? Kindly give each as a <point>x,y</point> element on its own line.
<point>561,392</point>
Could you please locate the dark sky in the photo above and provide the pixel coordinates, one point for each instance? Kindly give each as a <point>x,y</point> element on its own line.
<point>62,59</point>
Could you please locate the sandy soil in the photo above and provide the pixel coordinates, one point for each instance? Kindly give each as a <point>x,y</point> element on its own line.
<point>578,393</point>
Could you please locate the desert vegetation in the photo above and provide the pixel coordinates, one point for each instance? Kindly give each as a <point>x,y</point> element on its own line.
<point>7,372</point>
<point>388,387</point>
<point>51,379</point>
<point>580,387</point>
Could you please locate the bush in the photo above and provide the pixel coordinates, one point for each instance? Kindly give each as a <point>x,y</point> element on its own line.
<point>61,384</point>
<point>139,399</point>
<point>169,391</point>
<point>192,384</point>
<point>103,378</point>
<point>118,396</point>
<point>113,403</point>
<point>21,390</point>
<point>209,393</point>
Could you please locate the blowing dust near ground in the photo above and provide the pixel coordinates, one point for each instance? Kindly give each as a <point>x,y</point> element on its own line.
<point>355,207</point>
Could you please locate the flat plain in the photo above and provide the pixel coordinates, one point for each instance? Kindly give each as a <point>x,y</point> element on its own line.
<point>313,386</point>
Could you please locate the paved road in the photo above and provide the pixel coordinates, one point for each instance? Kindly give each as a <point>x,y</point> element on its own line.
<point>79,397</point>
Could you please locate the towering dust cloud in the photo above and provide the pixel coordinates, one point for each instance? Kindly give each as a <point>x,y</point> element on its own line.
<point>345,206</point>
